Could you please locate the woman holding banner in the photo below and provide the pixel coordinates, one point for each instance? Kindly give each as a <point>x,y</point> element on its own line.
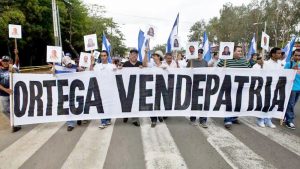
<point>157,58</point>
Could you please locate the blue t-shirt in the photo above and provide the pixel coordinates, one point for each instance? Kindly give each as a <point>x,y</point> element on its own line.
<point>4,81</point>
<point>296,86</point>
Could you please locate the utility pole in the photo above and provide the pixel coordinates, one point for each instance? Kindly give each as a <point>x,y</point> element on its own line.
<point>55,22</point>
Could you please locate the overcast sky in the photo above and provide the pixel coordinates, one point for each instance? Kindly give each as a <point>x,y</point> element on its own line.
<point>133,15</point>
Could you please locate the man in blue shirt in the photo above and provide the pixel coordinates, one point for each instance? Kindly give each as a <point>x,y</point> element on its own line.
<point>5,90</point>
<point>290,114</point>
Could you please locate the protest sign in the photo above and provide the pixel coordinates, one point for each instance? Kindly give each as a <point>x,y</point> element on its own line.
<point>54,54</point>
<point>90,42</point>
<point>192,50</point>
<point>226,50</point>
<point>15,31</point>
<point>135,92</point>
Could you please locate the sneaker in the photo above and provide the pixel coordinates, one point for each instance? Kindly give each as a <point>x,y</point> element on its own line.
<point>108,122</point>
<point>290,126</point>
<point>153,124</point>
<point>78,122</point>
<point>102,126</point>
<point>85,121</point>
<point>194,123</point>
<point>70,128</point>
<point>227,126</point>
<point>203,125</point>
<point>271,125</point>
<point>136,123</point>
<point>236,122</point>
<point>16,128</point>
<point>125,120</point>
<point>261,124</point>
<point>160,119</point>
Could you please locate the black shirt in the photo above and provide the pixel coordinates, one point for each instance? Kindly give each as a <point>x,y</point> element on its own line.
<point>129,64</point>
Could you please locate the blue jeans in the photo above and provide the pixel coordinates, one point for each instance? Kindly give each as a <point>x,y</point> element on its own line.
<point>265,120</point>
<point>289,114</point>
<point>104,121</point>
<point>71,123</point>
<point>229,120</point>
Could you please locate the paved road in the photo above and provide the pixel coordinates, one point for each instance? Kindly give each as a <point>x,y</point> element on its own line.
<point>172,144</point>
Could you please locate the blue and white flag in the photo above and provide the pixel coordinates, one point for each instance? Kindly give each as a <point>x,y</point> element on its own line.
<point>106,46</point>
<point>288,49</point>
<point>143,42</point>
<point>206,48</point>
<point>173,33</point>
<point>252,48</point>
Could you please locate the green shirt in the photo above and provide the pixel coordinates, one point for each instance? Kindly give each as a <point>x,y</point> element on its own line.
<point>235,63</point>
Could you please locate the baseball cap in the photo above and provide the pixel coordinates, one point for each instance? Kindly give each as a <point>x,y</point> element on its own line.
<point>6,58</point>
<point>134,50</point>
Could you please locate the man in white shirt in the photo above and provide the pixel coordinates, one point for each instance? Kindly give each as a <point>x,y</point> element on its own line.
<point>169,62</point>
<point>99,67</point>
<point>274,63</point>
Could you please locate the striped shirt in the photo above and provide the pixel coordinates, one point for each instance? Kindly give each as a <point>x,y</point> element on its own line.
<point>235,63</point>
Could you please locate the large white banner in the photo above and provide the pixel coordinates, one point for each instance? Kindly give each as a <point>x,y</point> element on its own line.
<point>136,92</point>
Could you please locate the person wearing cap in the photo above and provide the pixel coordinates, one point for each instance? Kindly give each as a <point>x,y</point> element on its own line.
<point>67,67</point>
<point>104,65</point>
<point>5,90</point>
<point>133,62</point>
<point>157,62</point>
<point>196,63</point>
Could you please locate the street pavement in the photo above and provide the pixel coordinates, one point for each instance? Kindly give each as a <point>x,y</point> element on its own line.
<point>172,144</point>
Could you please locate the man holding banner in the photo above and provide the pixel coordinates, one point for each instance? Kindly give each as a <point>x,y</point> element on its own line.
<point>101,66</point>
<point>5,90</point>
<point>133,62</point>
<point>237,62</point>
<point>194,63</point>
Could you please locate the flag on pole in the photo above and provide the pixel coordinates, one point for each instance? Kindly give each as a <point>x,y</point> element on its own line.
<point>206,48</point>
<point>106,46</point>
<point>143,42</point>
<point>252,48</point>
<point>288,49</point>
<point>174,32</point>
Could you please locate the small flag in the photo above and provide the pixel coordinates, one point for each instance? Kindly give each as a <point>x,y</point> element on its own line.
<point>173,33</point>
<point>288,49</point>
<point>106,46</point>
<point>143,43</point>
<point>206,48</point>
<point>252,48</point>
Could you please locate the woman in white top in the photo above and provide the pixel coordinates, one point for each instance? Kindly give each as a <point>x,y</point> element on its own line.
<point>157,62</point>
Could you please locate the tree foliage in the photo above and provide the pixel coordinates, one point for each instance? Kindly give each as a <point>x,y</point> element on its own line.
<point>238,23</point>
<point>35,16</point>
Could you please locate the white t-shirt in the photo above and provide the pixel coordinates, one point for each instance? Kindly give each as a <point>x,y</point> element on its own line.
<point>153,64</point>
<point>271,65</point>
<point>182,63</point>
<point>172,65</point>
<point>101,66</point>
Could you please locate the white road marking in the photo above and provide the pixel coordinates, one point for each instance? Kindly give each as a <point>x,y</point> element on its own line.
<point>234,152</point>
<point>285,139</point>
<point>91,149</point>
<point>21,150</point>
<point>159,147</point>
